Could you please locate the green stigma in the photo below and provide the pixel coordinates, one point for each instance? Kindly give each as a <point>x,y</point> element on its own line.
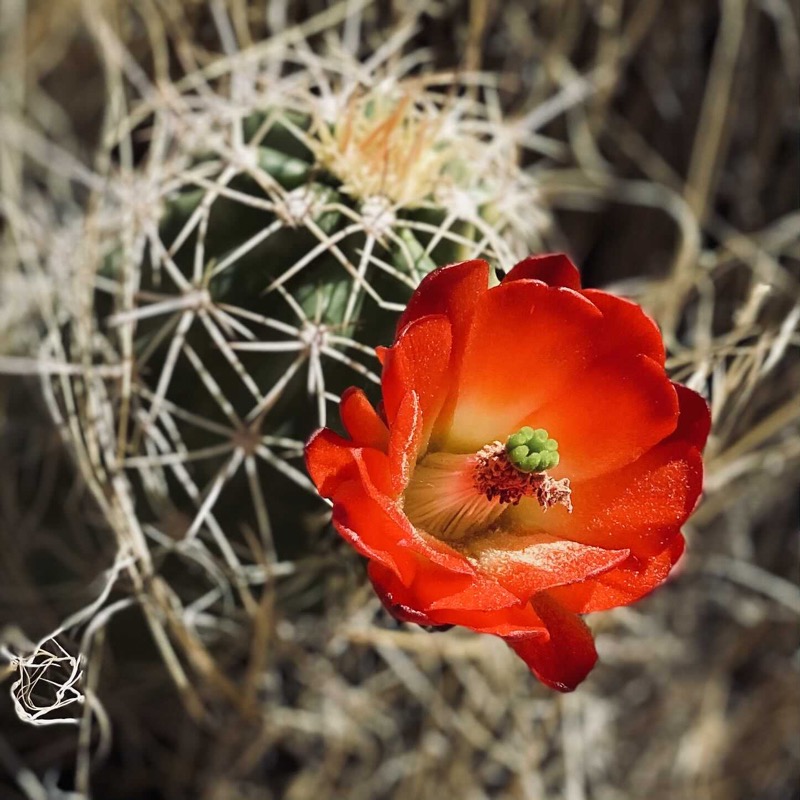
<point>531,450</point>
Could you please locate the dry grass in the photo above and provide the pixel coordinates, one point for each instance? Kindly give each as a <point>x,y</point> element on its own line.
<point>657,138</point>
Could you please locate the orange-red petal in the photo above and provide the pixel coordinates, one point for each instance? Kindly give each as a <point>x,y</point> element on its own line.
<point>329,460</point>
<point>404,442</point>
<point>694,420</point>
<point>370,531</point>
<point>361,420</point>
<point>529,563</point>
<point>374,524</point>
<point>640,507</point>
<point>555,643</point>
<point>527,340</point>
<point>480,604</point>
<point>332,460</point>
<point>566,655</point>
<point>627,583</point>
<point>453,291</point>
<point>607,416</point>
<point>418,362</point>
<point>554,269</point>
<point>627,330</point>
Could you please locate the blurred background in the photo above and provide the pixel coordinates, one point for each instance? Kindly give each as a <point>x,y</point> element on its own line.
<point>210,212</point>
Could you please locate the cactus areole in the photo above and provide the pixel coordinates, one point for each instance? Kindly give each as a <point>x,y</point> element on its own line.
<point>531,461</point>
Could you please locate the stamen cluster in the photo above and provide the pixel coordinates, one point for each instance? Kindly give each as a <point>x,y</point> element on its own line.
<point>496,476</point>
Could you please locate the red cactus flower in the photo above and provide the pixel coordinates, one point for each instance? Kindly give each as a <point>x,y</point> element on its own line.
<point>531,461</point>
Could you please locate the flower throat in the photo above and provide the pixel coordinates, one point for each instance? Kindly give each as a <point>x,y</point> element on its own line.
<point>453,495</point>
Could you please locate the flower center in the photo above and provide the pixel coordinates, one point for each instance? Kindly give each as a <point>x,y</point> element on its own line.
<point>454,495</point>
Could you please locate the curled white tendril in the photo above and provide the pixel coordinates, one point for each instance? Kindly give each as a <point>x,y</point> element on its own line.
<point>48,690</point>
